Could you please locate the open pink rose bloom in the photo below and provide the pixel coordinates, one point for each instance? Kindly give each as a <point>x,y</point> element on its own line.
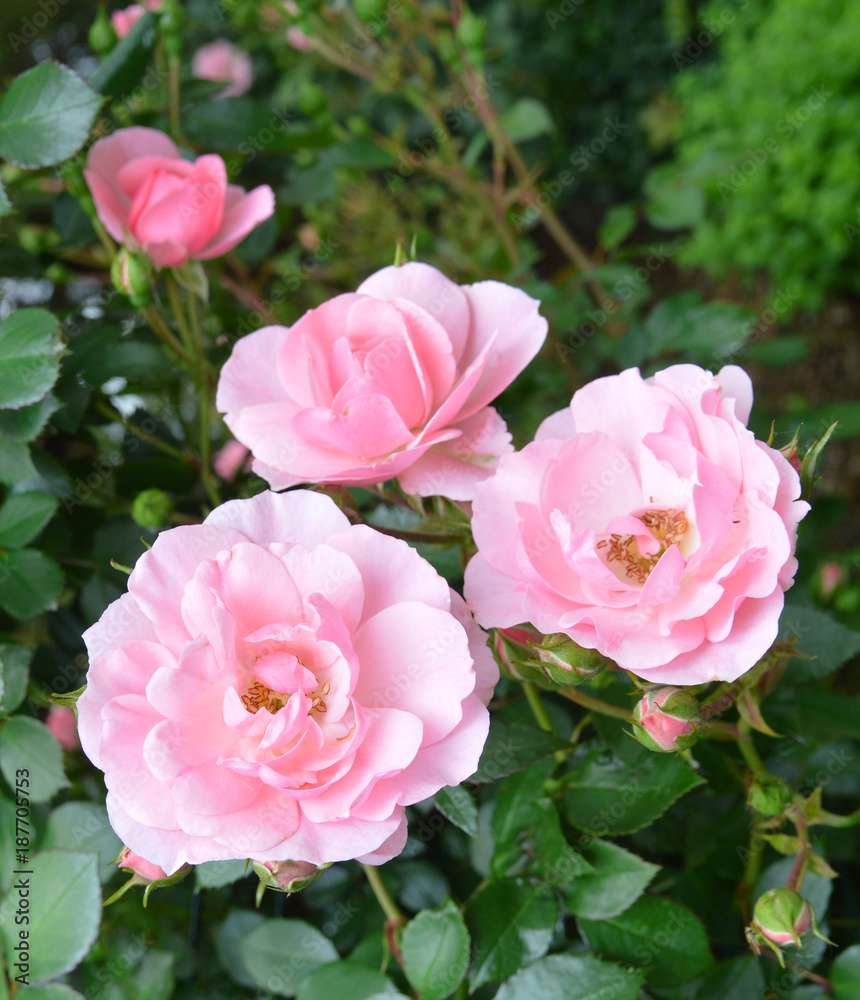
<point>644,521</point>
<point>393,380</point>
<point>153,201</point>
<point>278,684</point>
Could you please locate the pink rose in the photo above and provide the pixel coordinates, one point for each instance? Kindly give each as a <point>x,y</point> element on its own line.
<point>62,723</point>
<point>124,20</point>
<point>279,684</point>
<point>229,460</point>
<point>221,61</point>
<point>299,40</point>
<point>644,521</point>
<point>393,380</point>
<point>151,199</point>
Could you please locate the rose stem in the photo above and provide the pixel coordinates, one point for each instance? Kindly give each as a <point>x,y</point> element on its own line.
<point>748,750</point>
<point>112,414</point>
<point>205,400</point>
<point>389,907</point>
<point>594,704</point>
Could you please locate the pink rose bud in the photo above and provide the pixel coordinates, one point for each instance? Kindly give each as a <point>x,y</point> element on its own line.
<point>155,202</point>
<point>567,662</point>
<point>299,40</point>
<point>221,61</point>
<point>667,718</point>
<point>61,721</point>
<point>782,916</point>
<point>229,460</point>
<point>831,575</point>
<point>287,876</point>
<point>124,20</point>
<point>396,382</point>
<point>645,521</point>
<point>143,869</point>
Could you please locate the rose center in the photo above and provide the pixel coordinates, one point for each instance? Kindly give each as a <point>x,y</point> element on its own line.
<point>258,696</point>
<point>622,554</point>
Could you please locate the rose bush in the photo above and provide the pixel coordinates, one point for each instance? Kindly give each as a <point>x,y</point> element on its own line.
<point>393,380</point>
<point>644,521</point>
<point>279,684</point>
<point>153,201</point>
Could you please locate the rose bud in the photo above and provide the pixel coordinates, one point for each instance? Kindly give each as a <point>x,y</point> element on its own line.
<point>667,718</point>
<point>285,876</point>
<point>566,662</point>
<point>830,576</point>
<point>144,873</point>
<point>781,917</point>
<point>768,795</point>
<point>129,278</point>
<point>61,721</point>
<point>222,62</point>
<point>152,508</point>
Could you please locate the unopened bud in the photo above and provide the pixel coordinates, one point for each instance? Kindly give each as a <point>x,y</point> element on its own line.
<point>102,35</point>
<point>286,876</point>
<point>768,795</point>
<point>152,508</point>
<point>130,278</point>
<point>568,663</point>
<point>667,718</point>
<point>782,916</point>
<point>145,873</point>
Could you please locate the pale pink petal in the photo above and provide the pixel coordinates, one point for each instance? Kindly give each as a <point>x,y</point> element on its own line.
<point>239,220</point>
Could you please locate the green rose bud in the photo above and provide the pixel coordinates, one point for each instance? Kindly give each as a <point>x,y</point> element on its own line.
<point>152,509</point>
<point>130,278</point>
<point>768,795</point>
<point>285,876</point>
<point>102,36</point>
<point>782,916</point>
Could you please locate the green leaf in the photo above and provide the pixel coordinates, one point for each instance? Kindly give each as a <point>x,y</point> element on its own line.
<point>526,119</point>
<point>656,934</point>
<point>27,423</point>
<point>527,832</point>
<point>511,922</point>
<point>7,844</point>
<point>14,671</point>
<point>510,747</point>
<point>128,60</point>
<point>737,979</point>
<point>618,223</point>
<point>84,827</point>
<point>46,116</point>
<point>30,346</point>
<point>27,744</point>
<point>216,874</point>
<point>5,204</point>
<point>231,931</point>
<point>30,583</point>
<point>345,981</point>
<point>153,979</point>
<point>457,805</point>
<point>818,635</point>
<point>280,953</point>
<point>65,912</point>
<point>618,880</point>
<point>15,462</point>
<point>810,462</point>
<point>845,974</point>
<point>435,949</point>
<point>23,516</point>
<point>572,977</point>
<point>49,991</point>
<point>611,796</point>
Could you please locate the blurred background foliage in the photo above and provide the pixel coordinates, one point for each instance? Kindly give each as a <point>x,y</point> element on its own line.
<point>676,181</point>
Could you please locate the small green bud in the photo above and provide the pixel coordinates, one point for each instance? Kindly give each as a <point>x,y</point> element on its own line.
<point>102,36</point>
<point>152,509</point>
<point>286,876</point>
<point>768,795</point>
<point>129,277</point>
<point>567,662</point>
